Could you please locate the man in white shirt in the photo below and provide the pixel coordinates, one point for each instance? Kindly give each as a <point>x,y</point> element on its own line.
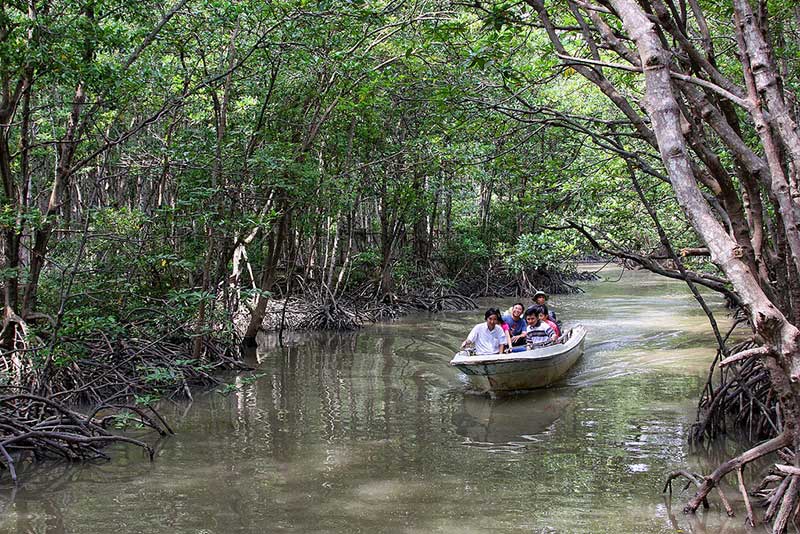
<point>488,337</point>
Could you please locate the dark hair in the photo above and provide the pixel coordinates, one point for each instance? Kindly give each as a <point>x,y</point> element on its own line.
<point>535,311</point>
<point>521,305</point>
<point>493,311</point>
<point>544,309</point>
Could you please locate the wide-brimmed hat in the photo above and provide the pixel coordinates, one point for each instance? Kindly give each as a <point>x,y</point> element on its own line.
<point>542,293</point>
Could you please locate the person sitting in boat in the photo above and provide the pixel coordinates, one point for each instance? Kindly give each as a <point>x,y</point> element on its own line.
<point>540,299</point>
<point>516,324</point>
<point>538,332</point>
<point>502,324</point>
<point>488,337</point>
<point>545,317</point>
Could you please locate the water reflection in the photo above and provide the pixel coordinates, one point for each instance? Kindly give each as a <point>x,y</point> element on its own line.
<point>373,431</point>
<point>511,422</point>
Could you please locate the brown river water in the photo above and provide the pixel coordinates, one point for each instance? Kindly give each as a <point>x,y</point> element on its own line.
<point>373,432</point>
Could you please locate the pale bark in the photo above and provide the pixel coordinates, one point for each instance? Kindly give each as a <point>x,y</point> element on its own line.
<point>665,116</point>
<point>780,353</point>
<point>758,51</point>
<point>697,58</point>
<point>779,185</point>
<point>594,76</point>
<point>268,273</point>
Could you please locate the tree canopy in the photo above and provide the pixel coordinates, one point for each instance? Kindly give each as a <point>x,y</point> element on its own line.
<point>167,168</point>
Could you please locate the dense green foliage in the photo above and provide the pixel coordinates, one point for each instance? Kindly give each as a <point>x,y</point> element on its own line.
<point>169,172</point>
<point>167,165</point>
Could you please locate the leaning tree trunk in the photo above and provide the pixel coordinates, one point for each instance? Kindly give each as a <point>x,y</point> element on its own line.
<point>780,350</point>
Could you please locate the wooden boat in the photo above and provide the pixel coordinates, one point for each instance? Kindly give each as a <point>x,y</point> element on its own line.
<point>537,368</point>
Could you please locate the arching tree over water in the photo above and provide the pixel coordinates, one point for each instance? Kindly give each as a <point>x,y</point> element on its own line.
<point>723,122</point>
<point>166,168</point>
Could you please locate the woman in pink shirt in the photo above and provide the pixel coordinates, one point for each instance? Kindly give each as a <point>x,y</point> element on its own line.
<point>504,326</point>
<point>545,316</point>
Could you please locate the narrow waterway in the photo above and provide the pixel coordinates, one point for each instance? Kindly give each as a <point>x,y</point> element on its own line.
<point>374,432</point>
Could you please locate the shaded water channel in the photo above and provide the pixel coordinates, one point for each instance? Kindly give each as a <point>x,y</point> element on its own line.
<point>373,432</point>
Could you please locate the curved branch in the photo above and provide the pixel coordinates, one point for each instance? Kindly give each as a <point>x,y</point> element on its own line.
<point>735,463</point>
<point>717,284</point>
<point>745,354</point>
<point>742,102</point>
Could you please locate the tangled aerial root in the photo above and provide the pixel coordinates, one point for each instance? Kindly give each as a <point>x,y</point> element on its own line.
<point>323,312</point>
<point>120,378</point>
<point>739,396</point>
<point>345,314</point>
<point>131,367</point>
<point>39,428</point>
<point>323,309</point>
<point>501,284</point>
<point>778,492</point>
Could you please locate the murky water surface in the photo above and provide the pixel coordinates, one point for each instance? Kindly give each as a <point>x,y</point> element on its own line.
<point>374,432</point>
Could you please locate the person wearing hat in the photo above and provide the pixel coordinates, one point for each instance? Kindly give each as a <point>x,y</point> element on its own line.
<point>540,299</point>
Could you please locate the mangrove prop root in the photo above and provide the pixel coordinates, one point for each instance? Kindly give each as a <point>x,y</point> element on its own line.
<point>503,284</point>
<point>711,481</point>
<point>751,518</point>
<point>725,503</point>
<point>740,393</point>
<point>774,499</point>
<point>319,309</point>
<point>31,425</point>
<point>324,312</point>
<point>739,396</point>
<point>116,377</point>
<point>787,509</point>
<point>691,477</point>
<point>124,369</point>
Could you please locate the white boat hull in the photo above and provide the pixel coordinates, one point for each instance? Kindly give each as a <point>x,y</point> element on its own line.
<point>538,368</point>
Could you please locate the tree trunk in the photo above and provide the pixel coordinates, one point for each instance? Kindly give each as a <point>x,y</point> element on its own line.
<point>274,247</point>
<point>780,336</point>
<point>60,183</point>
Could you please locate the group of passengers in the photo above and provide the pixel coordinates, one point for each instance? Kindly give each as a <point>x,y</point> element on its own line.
<point>515,331</point>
